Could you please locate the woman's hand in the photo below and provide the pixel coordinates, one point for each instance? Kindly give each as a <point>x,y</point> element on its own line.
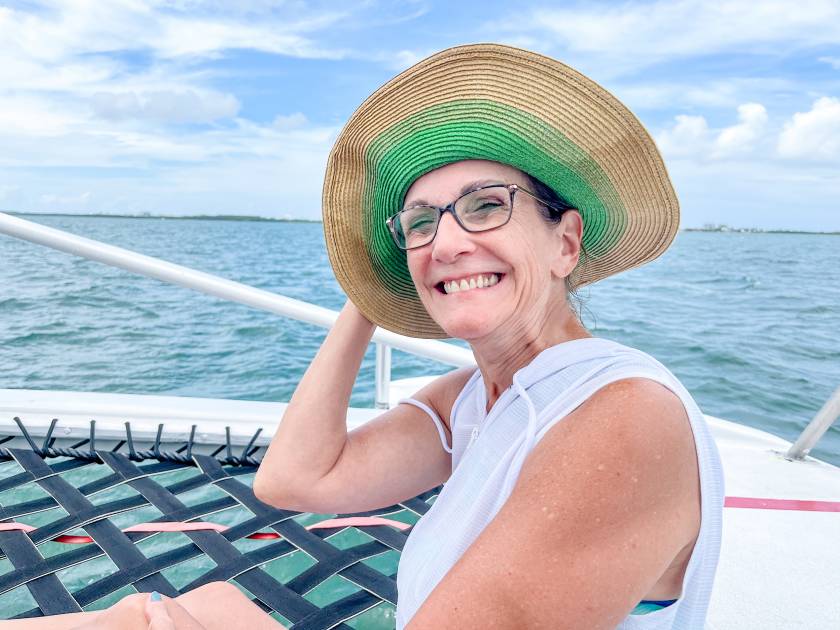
<point>142,612</point>
<point>159,615</point>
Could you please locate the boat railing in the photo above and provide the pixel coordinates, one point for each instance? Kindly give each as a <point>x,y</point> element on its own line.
<point>816,428</point>
<point>303,311</point>
<point>230,290</point>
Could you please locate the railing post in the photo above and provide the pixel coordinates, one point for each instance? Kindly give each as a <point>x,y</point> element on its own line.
<point>816,428</point>
<point>383,375</point>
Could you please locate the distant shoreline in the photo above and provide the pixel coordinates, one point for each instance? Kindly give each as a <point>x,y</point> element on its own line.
<point>168,217</point>
<point>237,217</point>
<point>757,231</point>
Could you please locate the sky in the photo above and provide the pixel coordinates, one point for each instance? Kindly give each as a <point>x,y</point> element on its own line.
<point>213,107</point>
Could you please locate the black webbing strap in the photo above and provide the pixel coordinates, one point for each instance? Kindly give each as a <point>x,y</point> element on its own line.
<point>129,560</point>
<point>139,471</point>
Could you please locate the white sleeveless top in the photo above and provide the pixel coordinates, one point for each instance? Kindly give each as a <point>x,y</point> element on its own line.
<point>488,451</point>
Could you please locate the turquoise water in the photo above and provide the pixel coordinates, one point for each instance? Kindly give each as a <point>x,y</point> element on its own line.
<point>749,322</point>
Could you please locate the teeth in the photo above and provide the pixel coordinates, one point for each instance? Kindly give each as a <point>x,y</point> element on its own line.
<point>475,282</point>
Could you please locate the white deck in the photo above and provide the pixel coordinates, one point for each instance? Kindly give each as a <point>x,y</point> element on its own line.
<point>779,569</point>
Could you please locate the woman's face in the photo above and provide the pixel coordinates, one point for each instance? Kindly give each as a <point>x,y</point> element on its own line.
<point>524,262</point>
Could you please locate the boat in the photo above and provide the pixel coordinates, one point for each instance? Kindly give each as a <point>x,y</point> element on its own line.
<point>780,557</point>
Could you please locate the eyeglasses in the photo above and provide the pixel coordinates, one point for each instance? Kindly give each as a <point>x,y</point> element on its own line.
<point>479,210</point>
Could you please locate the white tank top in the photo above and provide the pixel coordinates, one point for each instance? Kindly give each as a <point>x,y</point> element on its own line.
<point>488,451</point>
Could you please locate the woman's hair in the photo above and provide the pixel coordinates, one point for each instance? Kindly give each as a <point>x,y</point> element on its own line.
<point>552,214</point>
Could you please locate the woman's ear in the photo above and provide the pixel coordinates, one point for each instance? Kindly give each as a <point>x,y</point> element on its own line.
<point>569,235</point>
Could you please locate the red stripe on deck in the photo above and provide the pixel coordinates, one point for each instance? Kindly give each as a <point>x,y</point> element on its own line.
<point>782,504</point>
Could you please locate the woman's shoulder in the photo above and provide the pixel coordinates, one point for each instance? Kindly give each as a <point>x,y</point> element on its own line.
<point>442,393</point>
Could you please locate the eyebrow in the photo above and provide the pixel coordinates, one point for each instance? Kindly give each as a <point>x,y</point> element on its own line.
<point>479,183</point>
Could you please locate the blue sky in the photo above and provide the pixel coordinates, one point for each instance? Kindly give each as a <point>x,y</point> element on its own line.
<point>211,107</point>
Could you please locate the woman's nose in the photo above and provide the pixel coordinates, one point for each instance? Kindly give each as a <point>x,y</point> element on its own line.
<point>451,240</point>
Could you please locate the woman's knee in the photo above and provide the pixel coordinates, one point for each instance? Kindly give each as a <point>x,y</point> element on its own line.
<point>213,592</point>
<point>128,613</point>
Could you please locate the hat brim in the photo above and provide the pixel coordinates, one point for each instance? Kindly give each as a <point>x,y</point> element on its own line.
<point>493,102</point>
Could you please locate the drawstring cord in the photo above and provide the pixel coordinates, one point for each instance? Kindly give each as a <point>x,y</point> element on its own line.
<point>531,428</point>
<point>527,442</point>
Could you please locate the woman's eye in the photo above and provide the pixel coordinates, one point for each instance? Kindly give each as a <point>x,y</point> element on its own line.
<point>420,225</point>
<point>483,206</point>
<point>418,222</point>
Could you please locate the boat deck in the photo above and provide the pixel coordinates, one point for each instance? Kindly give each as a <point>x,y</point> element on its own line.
<point>780,560</point>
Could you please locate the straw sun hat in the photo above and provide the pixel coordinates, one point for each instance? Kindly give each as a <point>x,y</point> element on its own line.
<point>491,102</point>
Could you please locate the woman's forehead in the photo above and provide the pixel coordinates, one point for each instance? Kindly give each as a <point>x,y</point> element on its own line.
<point>450,179</point>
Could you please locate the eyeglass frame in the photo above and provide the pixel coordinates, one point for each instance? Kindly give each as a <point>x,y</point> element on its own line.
<point>511,188</point>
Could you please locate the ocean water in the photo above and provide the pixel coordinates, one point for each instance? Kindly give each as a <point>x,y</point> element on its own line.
<point>749,322</point>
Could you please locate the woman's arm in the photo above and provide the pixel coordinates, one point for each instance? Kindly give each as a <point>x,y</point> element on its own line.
<point>603,505</point>
<point>314,465</point>
<point>313,431</point>
<point>214,606</point>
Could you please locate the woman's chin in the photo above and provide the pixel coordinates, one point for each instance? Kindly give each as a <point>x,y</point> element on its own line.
<point>467,328</point>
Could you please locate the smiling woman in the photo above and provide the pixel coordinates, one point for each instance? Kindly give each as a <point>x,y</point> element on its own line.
<point>582,487</point>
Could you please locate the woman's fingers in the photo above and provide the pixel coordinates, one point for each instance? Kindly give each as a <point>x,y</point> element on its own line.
<point>157,613</point>
<point>165,613</point>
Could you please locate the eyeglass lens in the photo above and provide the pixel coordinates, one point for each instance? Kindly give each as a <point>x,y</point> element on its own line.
<point>479,210</point>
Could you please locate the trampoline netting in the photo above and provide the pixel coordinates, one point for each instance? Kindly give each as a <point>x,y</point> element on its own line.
<point>80,529</point>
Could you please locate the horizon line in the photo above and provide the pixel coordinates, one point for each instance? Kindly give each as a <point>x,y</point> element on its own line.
<point>257,218</point>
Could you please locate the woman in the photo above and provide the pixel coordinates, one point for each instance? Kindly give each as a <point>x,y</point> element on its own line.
<point>582,487</point>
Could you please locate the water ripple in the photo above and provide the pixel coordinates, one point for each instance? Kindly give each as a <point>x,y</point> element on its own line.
<point>752,331</point>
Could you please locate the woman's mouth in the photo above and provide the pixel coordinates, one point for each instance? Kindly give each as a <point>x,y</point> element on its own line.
<point>469,283</point>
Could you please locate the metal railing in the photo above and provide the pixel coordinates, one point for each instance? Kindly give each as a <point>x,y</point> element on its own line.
<point>816,428</point>
<point>234,292</point>
<point>305,312</point>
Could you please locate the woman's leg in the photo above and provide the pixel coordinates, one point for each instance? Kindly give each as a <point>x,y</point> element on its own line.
<point>222,606</point>
<point>216,606</point>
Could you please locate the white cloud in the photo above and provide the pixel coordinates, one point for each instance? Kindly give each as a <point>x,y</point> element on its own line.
<point>403,59</point>
<point>756,192</point>
<point>65,56</point>
<point>6,191</point>
<point>815,134</point>
<point>630,35</point>
<point>291,121</point>
<point>193,37</point>
<point>742,137</point>
<point>33,116</point>
<point>834,62</point>
<point>248,168</point>
<point>691,136</point>
<point>107,86</point>
<point>62,29</point>
<point>172,106</point>
<point>117,147</point>
<point>713,93</point>
<point>688,136</point>
<point>65,200</point>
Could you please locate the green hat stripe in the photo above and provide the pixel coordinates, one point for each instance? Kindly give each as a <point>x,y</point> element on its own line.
<point>477,129</point>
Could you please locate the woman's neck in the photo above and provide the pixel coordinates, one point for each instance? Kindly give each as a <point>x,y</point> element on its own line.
<point>499,357</point>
